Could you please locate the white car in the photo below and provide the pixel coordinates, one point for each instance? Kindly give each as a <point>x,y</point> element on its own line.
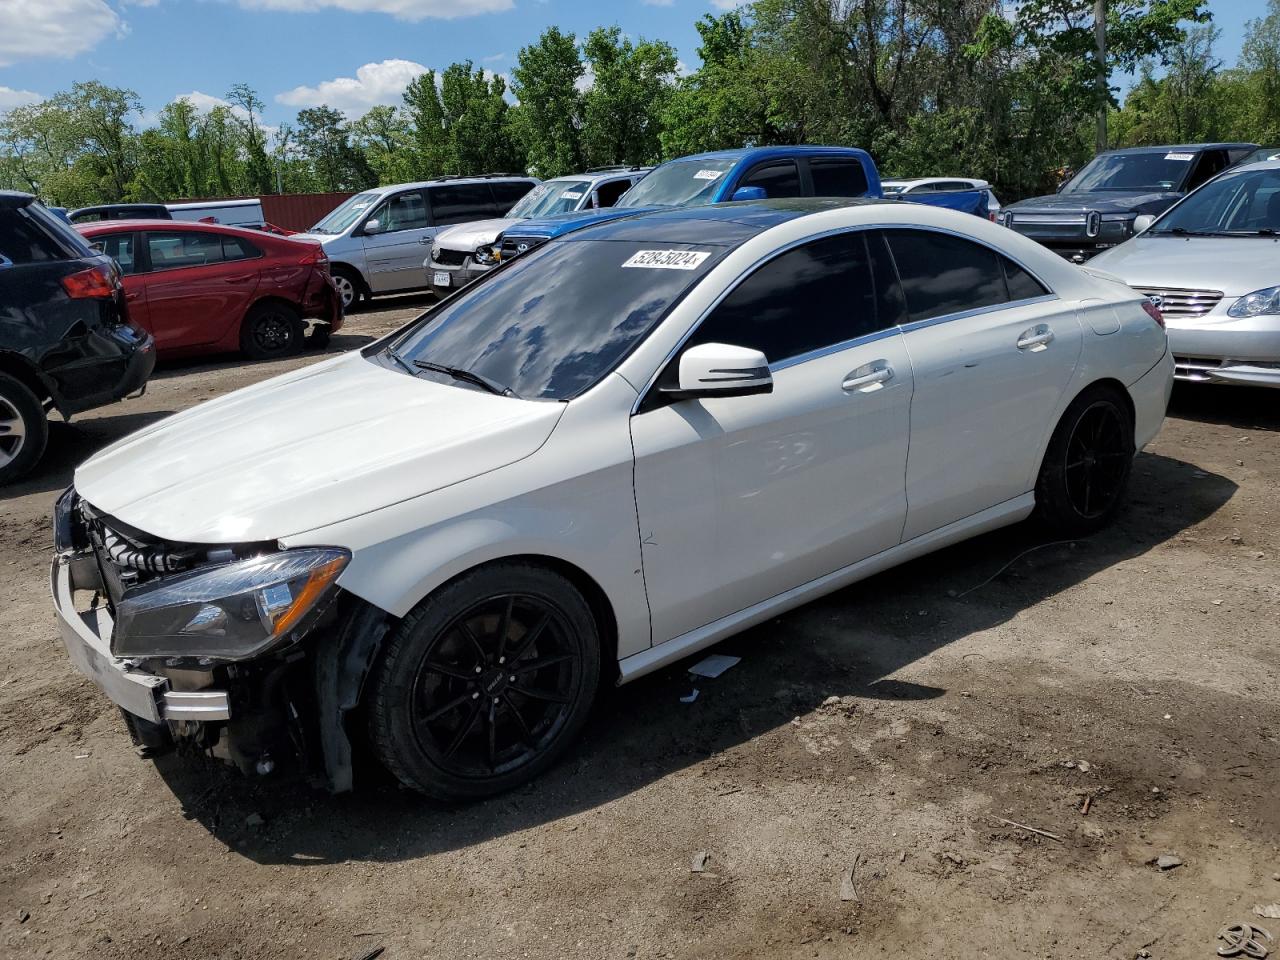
<point>604,456</point>
<point>902,188</point>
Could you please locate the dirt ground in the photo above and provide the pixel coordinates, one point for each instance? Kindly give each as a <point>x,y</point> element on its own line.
<point>896,725</point>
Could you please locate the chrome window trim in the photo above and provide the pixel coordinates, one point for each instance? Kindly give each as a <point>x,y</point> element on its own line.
<point>857,341</point>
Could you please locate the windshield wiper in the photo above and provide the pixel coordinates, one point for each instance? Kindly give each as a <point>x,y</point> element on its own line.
<point>1184,232</point>
<point>466,376</point>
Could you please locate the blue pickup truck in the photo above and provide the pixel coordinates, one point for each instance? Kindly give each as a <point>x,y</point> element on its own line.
<point>753,173</point>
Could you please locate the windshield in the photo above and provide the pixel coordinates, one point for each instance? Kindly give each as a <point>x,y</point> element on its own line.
<point>1145,172</point>
<point>554,196</point>
<point>681,183</point>
<point>1237,204</point>
<point>347,213</point>
<point>555,321</point>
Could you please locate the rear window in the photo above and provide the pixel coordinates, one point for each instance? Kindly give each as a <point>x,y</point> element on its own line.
<point>837,177</point>
<point>554,322</point>
<point>23,240</point>
<point>460,203</point>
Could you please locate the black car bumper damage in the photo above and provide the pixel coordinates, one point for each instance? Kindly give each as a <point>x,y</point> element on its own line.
<point>286,710</point>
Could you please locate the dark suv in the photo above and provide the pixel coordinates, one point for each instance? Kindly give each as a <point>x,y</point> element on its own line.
<point>120,211</point>
<point>1096,208</point>
<point>66,342</point>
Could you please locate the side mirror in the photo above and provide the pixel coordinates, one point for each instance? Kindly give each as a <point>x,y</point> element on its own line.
<point>750,193</point>
<point>372,227</point>
<point>721,370</point>
<point>1142,222</point>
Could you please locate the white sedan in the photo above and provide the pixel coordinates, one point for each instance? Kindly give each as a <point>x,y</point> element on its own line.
<point>919,185</point>
<point>604,456</point>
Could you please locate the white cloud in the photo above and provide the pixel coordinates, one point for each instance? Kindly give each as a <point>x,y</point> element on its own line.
<point>726,4</point>
<point>374,83</point>
<point>411,10</point>
<point>202,101</point>
<point>495,58</point>
<point>30,29</point>
<point>10,98</point>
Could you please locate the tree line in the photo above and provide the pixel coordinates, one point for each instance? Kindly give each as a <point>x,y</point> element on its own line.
<point>961,87</point>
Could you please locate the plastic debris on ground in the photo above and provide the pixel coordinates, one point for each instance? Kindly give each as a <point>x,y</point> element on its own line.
<point>714,665</point>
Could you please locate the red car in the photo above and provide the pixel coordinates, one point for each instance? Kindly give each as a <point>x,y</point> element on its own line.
<point>206,288</point>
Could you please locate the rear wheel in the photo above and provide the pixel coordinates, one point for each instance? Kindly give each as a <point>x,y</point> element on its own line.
<point>350,287</point>
<point>24,431</point>
<point>486,682</point>
<point>271,330</point>
<point>1087,465</point>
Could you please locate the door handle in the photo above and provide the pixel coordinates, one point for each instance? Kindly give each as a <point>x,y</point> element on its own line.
<point>240,279</point>
<point>1035,339</point>
<point>130,297</point>
<point>869,377</point>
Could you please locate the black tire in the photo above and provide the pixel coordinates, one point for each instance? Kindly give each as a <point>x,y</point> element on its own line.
<point>351,288</point>
<point>24,429</point>
<point>270,331</point>
<point>319,336</point>
<point>445,718</point>
<point>1086,467</point>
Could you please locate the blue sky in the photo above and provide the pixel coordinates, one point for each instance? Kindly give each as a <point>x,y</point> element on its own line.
<point>348,53</point>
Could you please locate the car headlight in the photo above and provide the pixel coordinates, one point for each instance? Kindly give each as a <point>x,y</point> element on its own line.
<point>487,255</point>
<point>231,612</point>
<point>1256,304</point>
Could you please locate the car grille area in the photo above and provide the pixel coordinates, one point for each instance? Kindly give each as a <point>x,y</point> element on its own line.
<point>1178,302</point>
<point>448,258</point>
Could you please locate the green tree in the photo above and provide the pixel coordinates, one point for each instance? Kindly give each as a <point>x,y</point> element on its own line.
<point>385,135</point>
<point>631,87</point>
<point>258,176</point>
<point>550,119</point>
<point>324,140</point>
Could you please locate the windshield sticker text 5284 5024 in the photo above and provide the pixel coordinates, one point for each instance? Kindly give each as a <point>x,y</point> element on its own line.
<point>666,259</point>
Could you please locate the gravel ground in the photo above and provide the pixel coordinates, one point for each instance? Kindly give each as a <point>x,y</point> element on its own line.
<point>897,726</point>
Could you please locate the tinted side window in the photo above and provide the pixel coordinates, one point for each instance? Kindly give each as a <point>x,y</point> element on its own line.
<point>1212,162</point>
<point>943,274</point>
<point>1022,285</point>
<point>891,304</point>
<point>507,192</point>
<point>92,216</point>
<point>170,251</point>
<point>119,246</point>
<point>778,179</point>
<point>607,194</point>
<point>22,240</point>
<point>408,211</point>
<point>459,203</point>
<point>805,299</point>
<point>238,248</point>
<point>837,178</point>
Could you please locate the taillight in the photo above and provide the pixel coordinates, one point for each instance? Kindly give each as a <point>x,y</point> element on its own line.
<point>94,282</point>
<point>1153,312</point>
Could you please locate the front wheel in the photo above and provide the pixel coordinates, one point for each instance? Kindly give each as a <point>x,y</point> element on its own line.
<point>485,683</point>
<point>1086,468</point>
<point>350,288</point>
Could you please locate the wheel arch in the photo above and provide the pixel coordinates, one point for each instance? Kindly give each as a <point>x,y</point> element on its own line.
<point>355,272</point>
<point>25,373</point>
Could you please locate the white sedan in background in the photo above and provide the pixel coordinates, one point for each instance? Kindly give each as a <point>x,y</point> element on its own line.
<point>602,457</point>
<point>903,188</point>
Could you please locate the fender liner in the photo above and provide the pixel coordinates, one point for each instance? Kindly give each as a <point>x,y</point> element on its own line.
<point>343,660</point>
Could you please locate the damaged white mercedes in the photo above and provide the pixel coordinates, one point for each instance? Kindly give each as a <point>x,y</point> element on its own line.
<point>600,458</point>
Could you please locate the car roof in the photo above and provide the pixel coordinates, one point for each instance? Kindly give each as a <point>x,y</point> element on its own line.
<point>169,226</point>
<point>12,199</point>
<point>720,223</point>
<point>1183,148</point>
<point>765,153</point>
<point>479,178</point>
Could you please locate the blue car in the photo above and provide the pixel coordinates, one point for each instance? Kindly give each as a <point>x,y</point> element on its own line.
<point>752,173</point>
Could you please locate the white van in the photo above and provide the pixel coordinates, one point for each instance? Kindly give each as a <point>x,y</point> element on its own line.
<point>229,213</point>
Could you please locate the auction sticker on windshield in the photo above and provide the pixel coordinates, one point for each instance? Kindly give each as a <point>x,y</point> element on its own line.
<point>1179,156</point>
<point>707,175</point>
<point>666,259</point>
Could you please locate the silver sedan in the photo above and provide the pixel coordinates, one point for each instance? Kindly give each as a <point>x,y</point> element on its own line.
<point>1213,263</point>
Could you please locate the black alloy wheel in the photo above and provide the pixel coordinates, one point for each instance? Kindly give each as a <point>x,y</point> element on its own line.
<point>483,685</point>
<point>1087,464</point>
<point>271,330</point>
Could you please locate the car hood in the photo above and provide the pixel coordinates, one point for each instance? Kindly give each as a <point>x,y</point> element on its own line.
<point>1104,201</point>
<point>308,449</point>
<point>472,236</point>
<point>1234,265</point>
<point>561,223</point>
